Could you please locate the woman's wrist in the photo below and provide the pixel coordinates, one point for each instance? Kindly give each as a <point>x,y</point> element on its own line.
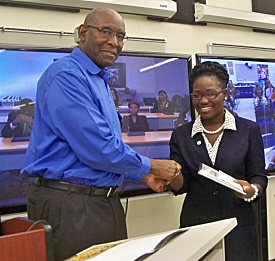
<point>255,195</point>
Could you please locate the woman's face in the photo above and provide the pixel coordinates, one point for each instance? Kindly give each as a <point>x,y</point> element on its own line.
<point>209,108</point>
<point>162,96</point>
<point>133,109</point>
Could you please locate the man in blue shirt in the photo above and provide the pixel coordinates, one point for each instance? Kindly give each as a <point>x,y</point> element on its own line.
<point>76,153</point>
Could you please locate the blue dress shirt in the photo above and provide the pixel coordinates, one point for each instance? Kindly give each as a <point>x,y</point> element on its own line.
<point>76,133</point>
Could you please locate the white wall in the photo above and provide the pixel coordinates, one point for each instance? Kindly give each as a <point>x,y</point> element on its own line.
<point>180,38</point>
<point>185,39</point>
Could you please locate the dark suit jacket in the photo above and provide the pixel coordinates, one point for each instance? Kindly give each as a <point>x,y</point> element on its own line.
<point>169,109</point>
<point>7,132</point>
<point>128,122</point>
<point>240,154</point>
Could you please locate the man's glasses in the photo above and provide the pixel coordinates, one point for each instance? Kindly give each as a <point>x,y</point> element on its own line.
<point>208,95</point>
<point>109,33</point>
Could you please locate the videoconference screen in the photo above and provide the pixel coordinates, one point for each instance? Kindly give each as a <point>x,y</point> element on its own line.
<point>251,94</point>
<point>153,85</point>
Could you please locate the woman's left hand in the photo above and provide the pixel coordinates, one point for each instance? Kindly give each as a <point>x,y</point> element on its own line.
<point>246,188</point>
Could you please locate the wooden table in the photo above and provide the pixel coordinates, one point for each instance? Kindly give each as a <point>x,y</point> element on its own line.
<point>12,154</point>
<point>152,144</point>
<point>125,109</point>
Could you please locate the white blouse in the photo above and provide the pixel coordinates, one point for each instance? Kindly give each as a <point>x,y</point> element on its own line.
<point>229,124</point>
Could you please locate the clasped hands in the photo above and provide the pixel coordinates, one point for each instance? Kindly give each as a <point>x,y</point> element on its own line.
<point>22,118</point>
<point>161,174</point>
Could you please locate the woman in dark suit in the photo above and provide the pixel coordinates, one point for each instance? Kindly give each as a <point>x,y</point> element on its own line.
<point>223,142</point>
<point>163,105</point>
<point>140,121</point>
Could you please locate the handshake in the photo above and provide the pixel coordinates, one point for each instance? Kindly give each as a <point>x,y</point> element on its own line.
<point>162,174</point>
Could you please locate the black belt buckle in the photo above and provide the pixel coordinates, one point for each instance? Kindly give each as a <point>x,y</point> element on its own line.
<point>111,192</point>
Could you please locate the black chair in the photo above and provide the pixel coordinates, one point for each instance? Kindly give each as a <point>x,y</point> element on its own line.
<point>263,114</point>
<point>268,133</point>
<point>267,127</point>
<point>177,101</point>
<point>148,101</point>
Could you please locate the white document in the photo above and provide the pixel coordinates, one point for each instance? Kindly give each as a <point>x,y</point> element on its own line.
<point>220,177</point>
<point>135,248</point>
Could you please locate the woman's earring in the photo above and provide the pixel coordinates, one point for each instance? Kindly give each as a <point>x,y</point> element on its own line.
<point>225,98</point>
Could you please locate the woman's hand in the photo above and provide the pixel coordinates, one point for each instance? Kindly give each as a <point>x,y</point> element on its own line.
<point>247,188</point>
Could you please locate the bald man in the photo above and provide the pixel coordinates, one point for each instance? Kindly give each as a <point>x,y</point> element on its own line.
<point>76,152</point>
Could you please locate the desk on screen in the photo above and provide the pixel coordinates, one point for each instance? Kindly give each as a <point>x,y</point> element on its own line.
<point>159,121</point>
<point>3,120</point>
<point>5,110</point>
<point>125,109</point>
<point>152,144</point>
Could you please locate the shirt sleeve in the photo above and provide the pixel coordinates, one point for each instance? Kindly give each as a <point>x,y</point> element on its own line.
<point>76,119</point>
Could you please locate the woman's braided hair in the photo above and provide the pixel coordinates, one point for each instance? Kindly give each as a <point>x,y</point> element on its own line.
<point>210,69</point>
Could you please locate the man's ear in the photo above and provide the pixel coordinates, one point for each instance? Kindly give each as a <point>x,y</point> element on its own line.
<point>82,30</point>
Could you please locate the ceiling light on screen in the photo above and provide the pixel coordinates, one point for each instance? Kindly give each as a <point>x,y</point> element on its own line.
<point>157,64</point>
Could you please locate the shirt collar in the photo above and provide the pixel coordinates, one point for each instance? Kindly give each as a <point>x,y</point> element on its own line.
<point>229,123</point>
<point>89,65</point>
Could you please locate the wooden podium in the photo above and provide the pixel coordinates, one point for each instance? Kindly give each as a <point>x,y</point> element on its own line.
<point>203,242</point>
<point>23,239</point>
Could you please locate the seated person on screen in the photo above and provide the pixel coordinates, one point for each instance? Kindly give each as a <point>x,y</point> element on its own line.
<point>134,119</point>
<point>163,104</point>
<point>116,98</point>
<point>184,117</point>
<point>272,98</point>
<point>268,92</point>
<point>231,94</point>
<point>259,98</point>
<point>20,121</point>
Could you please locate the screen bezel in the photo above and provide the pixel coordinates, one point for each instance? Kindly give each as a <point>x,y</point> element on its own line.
<point>22,207</point>
<point>200,56</point>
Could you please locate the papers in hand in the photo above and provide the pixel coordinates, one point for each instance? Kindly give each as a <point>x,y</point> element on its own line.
<point>220,177</point>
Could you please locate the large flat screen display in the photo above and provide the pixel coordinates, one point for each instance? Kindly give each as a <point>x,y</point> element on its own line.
<point>156,84</point>
<point>251,94</point>
<point>20,69</point>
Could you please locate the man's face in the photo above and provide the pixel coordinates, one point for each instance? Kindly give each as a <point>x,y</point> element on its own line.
<point>27,110</point>
<point>101,50</point>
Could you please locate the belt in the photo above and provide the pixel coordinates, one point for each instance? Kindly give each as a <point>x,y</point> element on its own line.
<point>75,188</point>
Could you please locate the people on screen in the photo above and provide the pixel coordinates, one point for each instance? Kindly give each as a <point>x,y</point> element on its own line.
<point>19,122</point>
<point>134,119</point>
<point>231,94</point>
<point>163,104</point>
<point>259,98</point>
<point>224,142</point>
<point>272,99</point>
<point>268,92</point>
<point>117,100</point>
<point>76,153</point>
